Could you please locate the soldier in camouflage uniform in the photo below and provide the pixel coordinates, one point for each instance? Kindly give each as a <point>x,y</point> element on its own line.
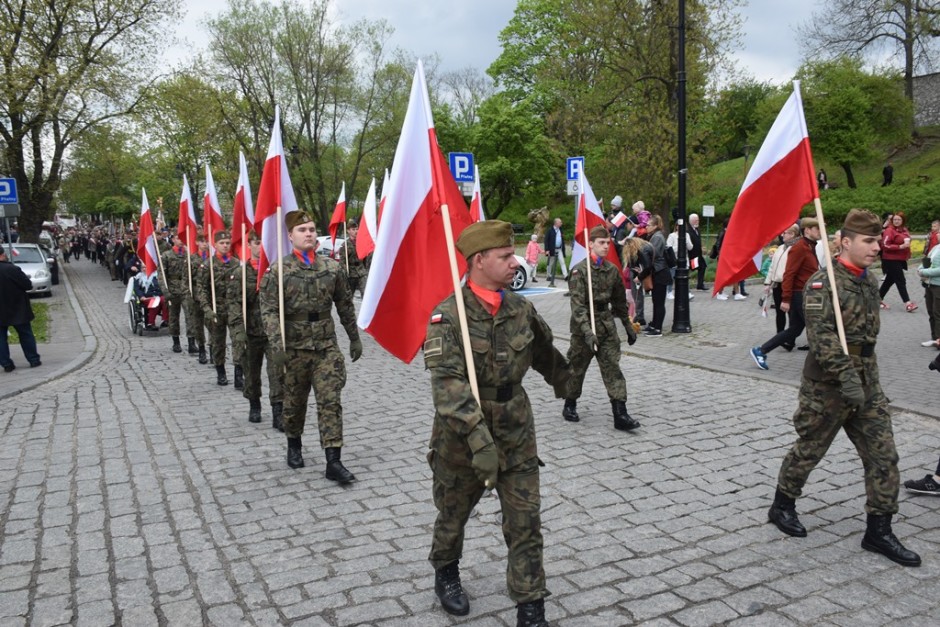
<point>199,264</point>
<point>175,286</point>
<point>357,270</point>
<point>490,444</point>
<point>218,274</point>
<point>312,284</point>
<point>610,300</point>
<point>842,391</point>
<point>253,338</point>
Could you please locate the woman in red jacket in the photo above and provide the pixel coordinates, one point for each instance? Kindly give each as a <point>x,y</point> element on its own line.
<point>895,251</point>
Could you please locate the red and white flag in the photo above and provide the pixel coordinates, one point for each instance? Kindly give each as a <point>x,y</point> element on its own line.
<point>274,191</point>
<point>365,241</point>
<point>781,181</point>
<point>147,249</point>
<point>410,271</point>
<point>187,227</point>
<point>243,212</point>
<point>588,214</point>
<point>211,211</point>
<point>382,201</point>
<point>338,217</point>
<point>476,200</point>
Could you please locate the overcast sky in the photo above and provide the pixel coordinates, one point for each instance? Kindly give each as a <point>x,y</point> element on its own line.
<point>465,34</point>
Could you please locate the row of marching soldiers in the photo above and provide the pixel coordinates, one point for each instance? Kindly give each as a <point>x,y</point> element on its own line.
<point>217,300</point>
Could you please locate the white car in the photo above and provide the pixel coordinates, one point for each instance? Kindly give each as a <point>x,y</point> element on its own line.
<point>32,261</point>
<point>325,246</point>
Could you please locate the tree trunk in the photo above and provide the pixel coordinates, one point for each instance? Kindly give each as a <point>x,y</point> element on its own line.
<point>849,177</point>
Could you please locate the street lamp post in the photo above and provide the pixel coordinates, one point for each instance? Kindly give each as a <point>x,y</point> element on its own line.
<point>681,321</point>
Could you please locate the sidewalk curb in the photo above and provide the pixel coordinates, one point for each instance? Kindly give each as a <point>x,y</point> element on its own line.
<point>91,344</point>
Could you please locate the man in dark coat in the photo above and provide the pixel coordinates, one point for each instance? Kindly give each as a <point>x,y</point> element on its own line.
<point>16,312</point>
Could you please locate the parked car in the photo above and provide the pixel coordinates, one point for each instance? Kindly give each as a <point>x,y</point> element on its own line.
<point>521,277</point>
<point>53,260</point>
<point>32,261</point>
<point>325,246</point>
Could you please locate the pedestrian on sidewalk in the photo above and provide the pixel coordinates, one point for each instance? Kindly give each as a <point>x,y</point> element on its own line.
<point>661,277</point>
<point>842,391</point>
<point>929,485</point>
<point>774,280</point>
<point>532,253</point>
<point>17,312</point>
<point>555,250</point>
<point>895,251</point>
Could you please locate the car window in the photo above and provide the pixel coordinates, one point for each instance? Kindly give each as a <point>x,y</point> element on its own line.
<point>27,255</point>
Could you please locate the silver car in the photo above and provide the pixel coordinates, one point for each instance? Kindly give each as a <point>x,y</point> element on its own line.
<point>32,261</point>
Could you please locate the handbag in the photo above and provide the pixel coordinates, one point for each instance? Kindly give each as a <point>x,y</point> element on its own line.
<point>648,283</point>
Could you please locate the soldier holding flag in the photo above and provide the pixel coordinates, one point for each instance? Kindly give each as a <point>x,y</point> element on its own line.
<point>212,297</point>
<point>174,284</point>
<point>357,269</point>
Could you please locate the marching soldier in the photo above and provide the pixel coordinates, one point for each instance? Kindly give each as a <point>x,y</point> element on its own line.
<point>312,284</point>
<point>842,391</point>
<point>357,270</point>
<point>175,286</point>
<point>223,264</point>
<point>200,261</point>
<point>252,337</point>
<point>610,301</point>
<point>475,446</point>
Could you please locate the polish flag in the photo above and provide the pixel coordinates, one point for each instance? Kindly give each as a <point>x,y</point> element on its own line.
<point>588,215</point>
<point>382,201</point>
<point>187,221</point>
<point>410,271</point>
<point>476,201</point>
<point>274,191</point>
<point>211,211</point>
<point>781,181</point>
<point>146,242</point>
<point>338,218</point>
<point>243,213</point>
<point>365,241</point>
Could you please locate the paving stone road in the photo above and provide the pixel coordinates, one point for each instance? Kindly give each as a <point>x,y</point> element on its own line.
<point>133,491</point>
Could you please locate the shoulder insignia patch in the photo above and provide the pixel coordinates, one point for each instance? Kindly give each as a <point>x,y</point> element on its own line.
<point>814,301</point>
<point>433,347</point>
<point>573,272</point>
<point>436,318</point>
<point>817,285</point>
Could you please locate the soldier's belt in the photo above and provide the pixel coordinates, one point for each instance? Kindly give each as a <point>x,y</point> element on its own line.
<point>861,350</point>
<point>310,316</point>
<point>601,306</point>
<point>500,394</point>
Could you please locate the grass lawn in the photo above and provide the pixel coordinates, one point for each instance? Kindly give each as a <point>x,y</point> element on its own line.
<point>40,324</point>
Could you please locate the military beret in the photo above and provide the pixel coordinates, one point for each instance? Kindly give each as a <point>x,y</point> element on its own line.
<point>220,235</point>
<point>808,223</point>
<point>598,232</point>
<point>296,218</point>
<point>484,235</point>
<point>862,222</point>
<point>352,223</point>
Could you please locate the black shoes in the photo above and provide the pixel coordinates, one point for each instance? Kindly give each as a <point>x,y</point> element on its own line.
<point>203,358</point>
<point>880,539</point>
<point>295,458</point>
<point>783,514</point>
<point>449,591</point>
<point>221,379</point>
<point>622,420</point>
<point>531,614</point>
<point>254,410</point>
<point>570,412</point>
<point>239,378</point>
<point>177,348</point>
<point>35,364</point>
<point>192,345</point>
<point>9,368</point>
<point>335,471</point>
<point>277,415</point>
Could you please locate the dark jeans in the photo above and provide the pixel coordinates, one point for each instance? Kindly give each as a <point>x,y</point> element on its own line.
<point>27,343</point>
<point>932,305</point>
<point>781,315</point>
<point>797,324</point>
<point>894,275</point>
<point>700,282</point>
<point>659,306</point>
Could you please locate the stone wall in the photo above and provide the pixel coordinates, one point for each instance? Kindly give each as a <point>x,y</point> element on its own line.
<point>927,100</point>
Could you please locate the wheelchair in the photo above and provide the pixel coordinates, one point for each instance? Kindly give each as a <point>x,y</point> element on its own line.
<point>136,315</point>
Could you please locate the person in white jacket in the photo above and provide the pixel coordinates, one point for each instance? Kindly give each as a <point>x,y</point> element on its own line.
<point>778,264</point>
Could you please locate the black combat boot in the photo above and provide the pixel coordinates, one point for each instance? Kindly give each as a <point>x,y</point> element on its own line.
<point>221,379</point>
<point>449,591</point>
<point>176,344</point>
<point>295,457</point>
<point>531,614</point>
<point>783,514</point>
<point>622,420</point>
<point>335,471</point>
<point>203,358</point>
<point>880,539</point>
<point>239,378</point>
<point>570,412</point>
<point>192,345</point>
<point>254,410</point>
<point>277,414</point>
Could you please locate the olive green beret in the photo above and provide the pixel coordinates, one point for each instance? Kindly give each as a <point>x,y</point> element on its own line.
<point>296,218</point>
<point>808,223</point>
<point>598,232</point>
<point>862,222</point>
<point>220,234</point>
<point>484,235</point>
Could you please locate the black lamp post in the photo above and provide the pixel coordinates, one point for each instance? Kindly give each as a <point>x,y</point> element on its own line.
<point>681,321</point>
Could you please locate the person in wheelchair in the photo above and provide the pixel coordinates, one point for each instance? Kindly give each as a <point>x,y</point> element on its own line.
<point>148,293</point>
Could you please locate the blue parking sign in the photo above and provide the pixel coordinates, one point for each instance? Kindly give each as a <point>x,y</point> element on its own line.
<point>8,195</point>
<point>461,166</point>
<point>575,167</point>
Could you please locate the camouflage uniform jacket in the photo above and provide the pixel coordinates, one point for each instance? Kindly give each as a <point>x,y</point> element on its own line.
<point>859,299</point>
<point>610,299</point>
<point>309,294</point>
<point>253,304</point>
<point>357,269</point>
<point>176,282</point>
<point>219,272</point>
<point>504,348</point>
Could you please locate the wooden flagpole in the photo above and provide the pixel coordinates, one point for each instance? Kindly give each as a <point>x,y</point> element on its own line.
<point>830,271</point>
<point>189,266</point>
<point>244,280</point>
<point>211,271</point>
<point>280,274</point>
<point>590,287</point>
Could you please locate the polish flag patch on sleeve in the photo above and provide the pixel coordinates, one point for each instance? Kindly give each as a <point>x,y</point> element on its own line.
<point>436,318</point>
<point>817,285</point>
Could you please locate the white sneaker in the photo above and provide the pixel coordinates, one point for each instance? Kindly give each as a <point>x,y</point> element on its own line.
<point>671,296</point>
<point>739,297</point>
<point>691,295</point>
<point>721,297</point>
<point>929,343</point>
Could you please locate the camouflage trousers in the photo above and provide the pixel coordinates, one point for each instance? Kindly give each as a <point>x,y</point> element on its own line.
<point>357,282</point>
<point>181,304</point>
<point>325,371</point>
<point>457,491</point>
<point>237,333</point>
<point>199,324</point>
<point>217,336</point>
<point>256,349</point>
<point>608,360</point>
<point>820,416</point>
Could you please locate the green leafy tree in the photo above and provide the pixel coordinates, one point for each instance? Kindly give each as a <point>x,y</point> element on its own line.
<point>730,118</point>
<point>103,164</point>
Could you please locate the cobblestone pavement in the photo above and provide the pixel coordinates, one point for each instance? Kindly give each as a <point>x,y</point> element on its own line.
<point>133,491</point>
